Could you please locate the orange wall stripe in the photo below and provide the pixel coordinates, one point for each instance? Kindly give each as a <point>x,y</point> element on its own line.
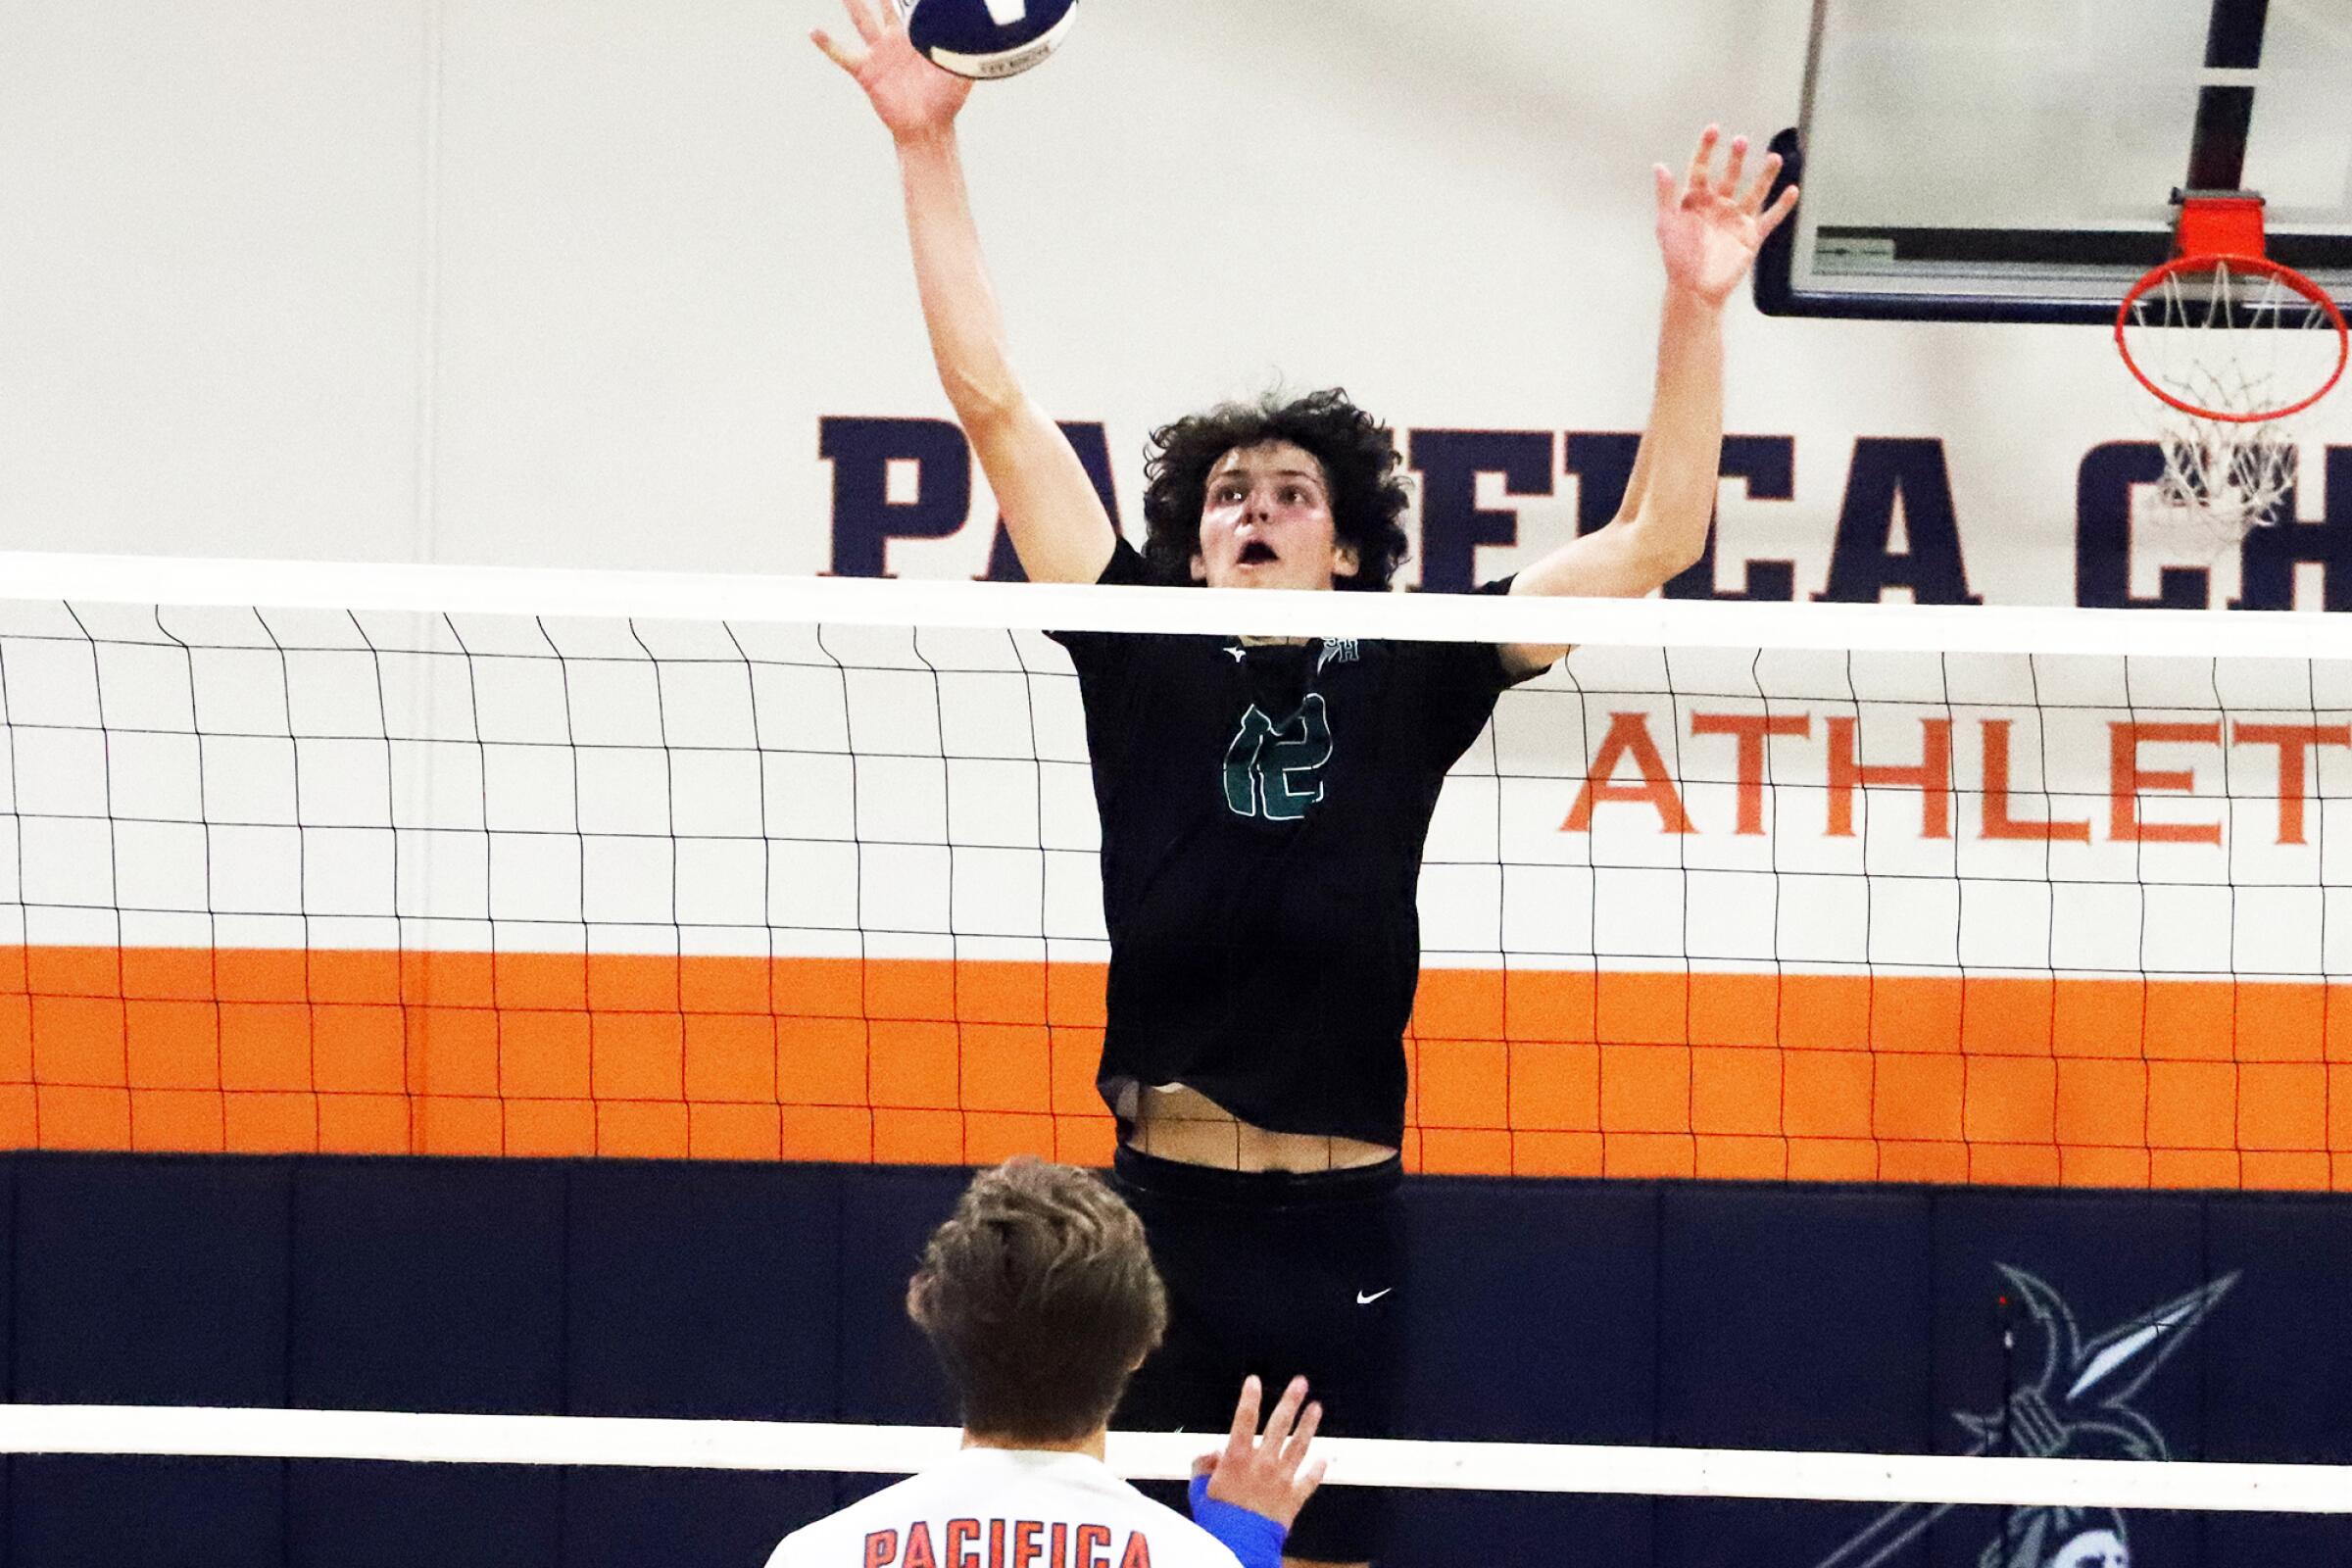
<point>1793,1077</point>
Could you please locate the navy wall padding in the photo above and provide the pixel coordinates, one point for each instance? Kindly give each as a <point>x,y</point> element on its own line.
<point>8,1326</point>
<point>92,1511</point>
<point>429,1285</point>
<point>2263,1382</point>
<point>1807,1307</point>
<point>160,1282</point>
<point>351,1514</point>
<point>702,1291</point>
<point>632,1518</point>
<point>1531,1320</point>
<point>887,1373</point>
<point>1720,1314</point>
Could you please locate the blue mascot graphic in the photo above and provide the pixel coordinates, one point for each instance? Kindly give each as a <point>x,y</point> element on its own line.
<point>2074,1402</point>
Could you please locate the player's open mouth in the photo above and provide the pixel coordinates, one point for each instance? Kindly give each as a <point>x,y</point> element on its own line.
<point>1257,553</point>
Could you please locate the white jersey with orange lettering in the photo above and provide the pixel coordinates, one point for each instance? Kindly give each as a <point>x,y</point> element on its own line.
<point>1006,1508</point>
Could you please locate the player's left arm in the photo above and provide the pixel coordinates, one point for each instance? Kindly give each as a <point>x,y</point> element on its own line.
<point>1709,231</point>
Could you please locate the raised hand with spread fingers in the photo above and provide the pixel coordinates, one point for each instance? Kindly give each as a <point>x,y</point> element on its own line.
<point>913,97</point>
<point>1709,232</point>
<point>1268,1473</point>
<point>1709,229</point>
<point>1058,524</point>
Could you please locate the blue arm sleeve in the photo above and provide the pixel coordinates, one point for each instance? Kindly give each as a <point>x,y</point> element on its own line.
<point>1252,1537</point>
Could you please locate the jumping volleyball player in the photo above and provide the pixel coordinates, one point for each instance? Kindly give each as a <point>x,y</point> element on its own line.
<point>1264,802</point>
<point>1039,1297</point>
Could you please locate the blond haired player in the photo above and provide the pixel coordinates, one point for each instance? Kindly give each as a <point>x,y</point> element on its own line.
<point>1039,1297</point>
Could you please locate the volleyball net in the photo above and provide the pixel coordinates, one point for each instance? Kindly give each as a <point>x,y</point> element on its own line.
<point>486,861</point>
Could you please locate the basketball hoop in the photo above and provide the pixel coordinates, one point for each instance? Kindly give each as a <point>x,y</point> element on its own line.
<point>2233,345</point>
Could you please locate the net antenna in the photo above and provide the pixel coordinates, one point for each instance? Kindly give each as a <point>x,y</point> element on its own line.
<point>2233,345</point>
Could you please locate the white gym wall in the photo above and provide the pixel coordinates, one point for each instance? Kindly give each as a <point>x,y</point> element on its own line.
<point>473,281</point>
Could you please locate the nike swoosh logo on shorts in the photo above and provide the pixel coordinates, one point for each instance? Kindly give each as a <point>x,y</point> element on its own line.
<point>1362,1299</point>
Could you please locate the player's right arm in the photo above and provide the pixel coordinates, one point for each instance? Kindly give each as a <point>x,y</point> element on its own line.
<point>1058,521</point>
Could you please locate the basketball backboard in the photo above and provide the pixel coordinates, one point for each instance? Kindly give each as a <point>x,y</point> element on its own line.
<point>2016,160</point>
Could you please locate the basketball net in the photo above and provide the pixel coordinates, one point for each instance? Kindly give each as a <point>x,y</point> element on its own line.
<point>2232,346</point>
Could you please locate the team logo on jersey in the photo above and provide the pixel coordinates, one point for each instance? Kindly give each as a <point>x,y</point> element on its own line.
<point>2074,1402</point>
<point>1275,769</point>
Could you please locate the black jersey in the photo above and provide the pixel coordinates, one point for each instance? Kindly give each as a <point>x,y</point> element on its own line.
<point>1263,812</point>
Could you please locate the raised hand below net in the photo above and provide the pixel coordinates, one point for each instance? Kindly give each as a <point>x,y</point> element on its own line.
<point>913,97</point>
<point>1709,229</point>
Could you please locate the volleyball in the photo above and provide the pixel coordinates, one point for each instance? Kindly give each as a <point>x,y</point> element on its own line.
<point>986,39</point>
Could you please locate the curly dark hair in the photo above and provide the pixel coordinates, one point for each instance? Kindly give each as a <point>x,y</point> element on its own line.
<point>1358,457</point>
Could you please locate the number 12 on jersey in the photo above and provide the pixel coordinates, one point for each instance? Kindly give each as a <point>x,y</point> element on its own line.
<point>1275,770</point>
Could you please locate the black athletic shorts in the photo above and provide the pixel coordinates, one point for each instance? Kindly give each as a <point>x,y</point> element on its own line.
<point>1276,1274</point>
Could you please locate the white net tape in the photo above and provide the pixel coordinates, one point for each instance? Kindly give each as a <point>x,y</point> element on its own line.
<point>702,598</point>
<point>1582,1468</point>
